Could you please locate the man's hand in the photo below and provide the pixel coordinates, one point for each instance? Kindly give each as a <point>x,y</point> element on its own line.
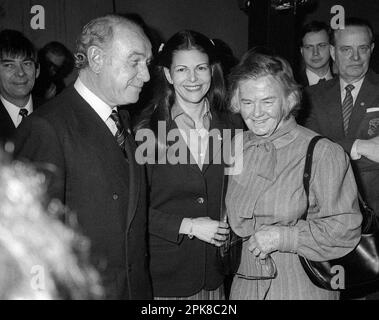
<point>264,241</point>
<point>369,148</point>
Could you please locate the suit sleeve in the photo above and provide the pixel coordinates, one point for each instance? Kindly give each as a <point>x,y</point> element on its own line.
<point>36,141</point>
<point>332,228</point>
<point>165,225</point>
<point>161,224</point>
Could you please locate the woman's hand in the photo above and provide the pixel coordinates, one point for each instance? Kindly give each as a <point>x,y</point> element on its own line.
<point>211,231</point>
<point>264,241</point>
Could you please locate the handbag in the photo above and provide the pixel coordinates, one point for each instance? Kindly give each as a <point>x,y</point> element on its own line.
<point>361,266</point>
<point>229,254</point>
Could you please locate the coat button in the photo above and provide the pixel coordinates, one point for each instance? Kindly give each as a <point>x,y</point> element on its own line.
<point>115,196</point>
<point>200,200</point>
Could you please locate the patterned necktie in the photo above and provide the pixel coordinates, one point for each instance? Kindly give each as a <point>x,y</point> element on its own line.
<point>23,113</point>
<point>347,107</point>
<point>120,134</point>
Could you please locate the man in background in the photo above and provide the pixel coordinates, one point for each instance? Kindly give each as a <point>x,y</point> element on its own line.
<point>346,108</point>
<point>18,72</point>
<point>315,53</point>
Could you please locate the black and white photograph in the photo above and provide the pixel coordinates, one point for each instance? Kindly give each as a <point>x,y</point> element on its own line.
<point>189,156</point>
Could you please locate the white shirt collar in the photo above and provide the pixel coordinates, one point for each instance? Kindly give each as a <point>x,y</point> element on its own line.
<point>357,86</point>
<point>100,107</point>
<point>14,111</point>
<point>313,78</point>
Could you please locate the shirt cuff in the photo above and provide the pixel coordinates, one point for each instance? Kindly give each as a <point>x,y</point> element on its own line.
<point>186,226</point>
<point>354,152</point>
<point>288,239</point>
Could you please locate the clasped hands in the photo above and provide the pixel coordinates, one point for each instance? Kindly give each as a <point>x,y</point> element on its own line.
<point>212,231</point>
<point>265,240</point>
<point>369,148</point>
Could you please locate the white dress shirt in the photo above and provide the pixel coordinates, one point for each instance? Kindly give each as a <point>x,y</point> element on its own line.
<point>100,107</point>
<point>314,78</point>
<point>14,111</point>
<point>196,135</point>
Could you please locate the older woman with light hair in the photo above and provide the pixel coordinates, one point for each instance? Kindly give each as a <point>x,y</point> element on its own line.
<point>266,201</point>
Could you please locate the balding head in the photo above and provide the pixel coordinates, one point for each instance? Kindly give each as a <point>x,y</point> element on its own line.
<point>114,54</point>
<point>100,32</point>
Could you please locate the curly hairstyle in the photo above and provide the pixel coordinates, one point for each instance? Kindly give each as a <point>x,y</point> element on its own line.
<point>254,65</point>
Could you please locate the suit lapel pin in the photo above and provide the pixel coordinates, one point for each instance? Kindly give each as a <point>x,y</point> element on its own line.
<point>362,104</point>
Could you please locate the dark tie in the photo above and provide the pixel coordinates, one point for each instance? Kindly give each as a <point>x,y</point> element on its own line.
<point>23,113</point>
<point>347,107</point>
<point>321,80</point>
<point>120,134</point>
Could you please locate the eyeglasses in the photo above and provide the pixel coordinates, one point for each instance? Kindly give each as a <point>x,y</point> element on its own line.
<point>267,265</point>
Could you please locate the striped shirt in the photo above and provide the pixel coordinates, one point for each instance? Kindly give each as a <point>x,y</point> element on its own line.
<point>332,228</point>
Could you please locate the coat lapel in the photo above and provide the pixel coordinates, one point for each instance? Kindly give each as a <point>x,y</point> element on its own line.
<point>216,141</point>
<point>135,174</point>
<point>190,160</point>
<point>333,106</point>
<point>6,124</point>
<point>98,138</point>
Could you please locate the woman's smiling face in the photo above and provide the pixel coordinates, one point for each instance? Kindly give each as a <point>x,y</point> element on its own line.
<point>264,105</point>
<point>190,74</point>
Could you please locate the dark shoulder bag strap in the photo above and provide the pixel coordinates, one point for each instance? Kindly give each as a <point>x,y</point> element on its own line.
<point>308,170</point>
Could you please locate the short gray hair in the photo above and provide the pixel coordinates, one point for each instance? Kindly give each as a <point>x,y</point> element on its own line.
<point>254,65</point>
<point>98,32</point>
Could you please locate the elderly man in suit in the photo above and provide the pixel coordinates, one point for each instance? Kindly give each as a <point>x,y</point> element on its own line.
<point>314,50</point>
<point>346,109</point>
<point>85,135</point>
<point>18,72</point>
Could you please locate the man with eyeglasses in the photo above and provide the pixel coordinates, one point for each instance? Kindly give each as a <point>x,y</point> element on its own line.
<point>315,52</point>
<point>18,72</point>
<point>346,109</point>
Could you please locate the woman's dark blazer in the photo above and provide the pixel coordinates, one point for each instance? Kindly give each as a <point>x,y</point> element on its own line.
<point>181,266</point>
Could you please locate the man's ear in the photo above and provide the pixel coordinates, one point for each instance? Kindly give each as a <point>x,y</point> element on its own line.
<point>332,50</point>
<point>372,47</point>
<point>167,75</point>
<point>96,57</point>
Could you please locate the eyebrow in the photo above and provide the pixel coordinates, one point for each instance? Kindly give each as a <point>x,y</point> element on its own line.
<point>135,53</point>
<point>14,60</point>
<point>269,98</point>
<point>200,64</point>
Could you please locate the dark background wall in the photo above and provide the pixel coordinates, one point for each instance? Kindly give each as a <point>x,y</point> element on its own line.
<point>64,18</point>
<point>216,18</point>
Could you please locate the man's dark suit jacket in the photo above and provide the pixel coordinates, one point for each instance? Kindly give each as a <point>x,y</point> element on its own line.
<point>326,118</point>
<point>181,266</point>
<point>7,127</point>
<point>301,78</point>
<point>95,181</point>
